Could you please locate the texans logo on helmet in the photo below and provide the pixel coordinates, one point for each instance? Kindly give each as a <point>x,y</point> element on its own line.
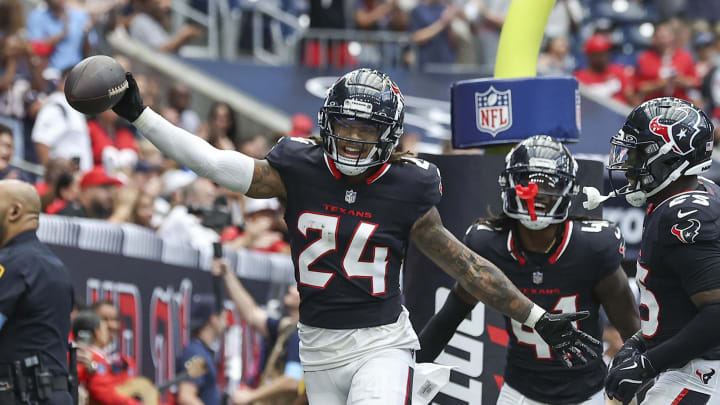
<point>680,132</point>
<point>688,232</point>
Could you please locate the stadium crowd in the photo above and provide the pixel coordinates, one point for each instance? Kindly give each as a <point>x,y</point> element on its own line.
<point>98,167</point>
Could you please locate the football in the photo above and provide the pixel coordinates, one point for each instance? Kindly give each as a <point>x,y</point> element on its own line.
<point>95,84</point>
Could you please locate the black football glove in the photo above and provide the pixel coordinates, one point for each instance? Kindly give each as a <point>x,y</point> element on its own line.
<point>568,342</point>
<point>131,104</point>
<point>626,378</point>
<point>632,346</point>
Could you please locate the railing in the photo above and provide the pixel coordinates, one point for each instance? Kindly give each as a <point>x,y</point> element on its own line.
<point>135,241</point>
<point>288,33</point>
<point>372,48</point>
<point>182,11</point>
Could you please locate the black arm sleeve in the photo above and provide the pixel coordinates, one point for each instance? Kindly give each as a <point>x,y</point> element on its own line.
<point>697,265</point>
<point>696,338</point>
<point>441,327</point>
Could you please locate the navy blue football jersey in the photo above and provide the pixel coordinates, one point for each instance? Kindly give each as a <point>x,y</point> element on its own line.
<point>679,257</point>
<point>348,241</point>
<point>563,280</point>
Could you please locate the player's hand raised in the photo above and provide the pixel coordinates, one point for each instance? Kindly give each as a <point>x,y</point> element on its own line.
<point>131,104</point>
<point>567,341</point>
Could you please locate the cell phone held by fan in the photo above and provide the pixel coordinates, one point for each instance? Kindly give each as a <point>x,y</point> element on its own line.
<point>217,250</point>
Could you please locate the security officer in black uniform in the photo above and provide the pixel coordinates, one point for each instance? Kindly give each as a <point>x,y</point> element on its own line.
<point>35,304</point>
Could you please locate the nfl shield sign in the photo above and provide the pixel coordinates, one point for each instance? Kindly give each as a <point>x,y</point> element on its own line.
<point>350,196</point>
<point>493,111</point>
<point>537,277</point>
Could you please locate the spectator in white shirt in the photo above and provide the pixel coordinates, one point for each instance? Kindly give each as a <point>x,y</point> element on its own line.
<point>61,131</point>
<point>150,26</point>
<point>181,226</point>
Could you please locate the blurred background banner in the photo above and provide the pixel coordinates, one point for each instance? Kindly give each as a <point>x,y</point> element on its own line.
<point>153,301</point>
<point>496,111</point>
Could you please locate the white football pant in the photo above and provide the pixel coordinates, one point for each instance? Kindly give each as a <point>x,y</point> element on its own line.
<point>384,378</point>
<point>694,384</point>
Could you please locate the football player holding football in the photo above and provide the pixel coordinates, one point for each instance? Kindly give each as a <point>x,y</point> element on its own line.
<point>656,158</point>
<point>352,206</point>
<point>563,264</point>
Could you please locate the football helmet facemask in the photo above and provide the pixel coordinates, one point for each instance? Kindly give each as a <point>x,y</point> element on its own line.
<point>538,182</point>
<point>661,140</point>
<point>361,120</point>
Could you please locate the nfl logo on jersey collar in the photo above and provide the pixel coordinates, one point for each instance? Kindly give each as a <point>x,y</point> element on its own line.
<point>350,196</point>
<point>537,277</point>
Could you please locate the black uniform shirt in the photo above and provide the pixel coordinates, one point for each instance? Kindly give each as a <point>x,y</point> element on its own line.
<point>348,241</point>
<point>561,281</point>
<point>679,257</point>
<point>35,303</point>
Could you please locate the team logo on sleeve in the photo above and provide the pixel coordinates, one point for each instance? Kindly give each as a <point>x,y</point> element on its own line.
<point>686,231</point>
<point>493,111</point>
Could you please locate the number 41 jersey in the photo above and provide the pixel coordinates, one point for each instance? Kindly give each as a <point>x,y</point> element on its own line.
<point>679,257</point>
<point>563,280</point>
<point>348,241</point>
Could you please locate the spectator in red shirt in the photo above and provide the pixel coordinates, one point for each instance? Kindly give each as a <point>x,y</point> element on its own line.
<point>602,78</point>
<point>105,372</point>
<point>665,70</point>
<point>113,146</point>
<point>67,188</point>
<point>95,199</point>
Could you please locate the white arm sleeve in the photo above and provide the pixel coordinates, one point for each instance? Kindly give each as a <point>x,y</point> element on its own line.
<point>230,169</point>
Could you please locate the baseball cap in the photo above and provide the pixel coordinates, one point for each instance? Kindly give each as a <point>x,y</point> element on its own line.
<point>174,180</point>
<point>703,39</point>
<point>98,177</point>
<point>253,205</point>
<point>597,43</point>
<point>302,125</point>
<point>202,307</point>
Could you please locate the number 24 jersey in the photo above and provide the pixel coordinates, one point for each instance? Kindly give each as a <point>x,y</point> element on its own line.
<point>348,241</point>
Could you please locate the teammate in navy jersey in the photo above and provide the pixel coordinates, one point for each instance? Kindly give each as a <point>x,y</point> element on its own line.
<point>564,265</point>
<point>352,206</point>
<point>656,157</point>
